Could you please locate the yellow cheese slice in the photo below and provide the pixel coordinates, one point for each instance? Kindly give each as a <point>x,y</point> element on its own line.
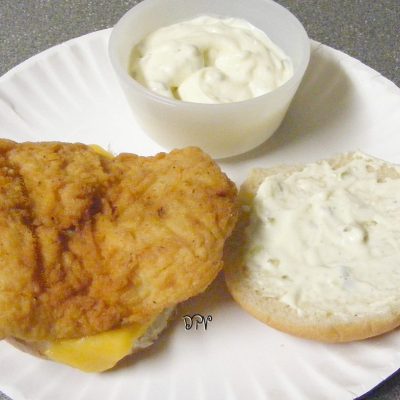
<point>96,353</point>
<point>99,150</point>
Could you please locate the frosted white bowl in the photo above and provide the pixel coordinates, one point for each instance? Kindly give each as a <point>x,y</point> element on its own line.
<point>222,130</point>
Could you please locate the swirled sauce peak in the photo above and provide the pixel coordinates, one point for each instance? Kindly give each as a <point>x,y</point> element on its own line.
<point>210,60</point>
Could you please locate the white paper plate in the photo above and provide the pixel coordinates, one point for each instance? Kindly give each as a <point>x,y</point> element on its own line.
<point>69,93</point>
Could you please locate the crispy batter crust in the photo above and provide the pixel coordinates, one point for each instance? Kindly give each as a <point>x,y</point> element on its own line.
<point>89,244</point>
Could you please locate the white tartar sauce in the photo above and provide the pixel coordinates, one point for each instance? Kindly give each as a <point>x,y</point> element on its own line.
<point>210,60</point>
<point>326,241</point>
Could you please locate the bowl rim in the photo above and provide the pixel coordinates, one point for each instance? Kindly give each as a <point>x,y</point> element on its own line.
<point>293,81</point>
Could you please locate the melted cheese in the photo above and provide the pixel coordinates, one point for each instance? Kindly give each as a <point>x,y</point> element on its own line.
<point>99,352</point>
<point>99,150</point>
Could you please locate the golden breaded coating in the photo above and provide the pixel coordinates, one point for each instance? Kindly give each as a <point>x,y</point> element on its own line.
<point>90,243</point>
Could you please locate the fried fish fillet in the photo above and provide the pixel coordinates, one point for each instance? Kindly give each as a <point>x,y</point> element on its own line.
<point>90,243</point>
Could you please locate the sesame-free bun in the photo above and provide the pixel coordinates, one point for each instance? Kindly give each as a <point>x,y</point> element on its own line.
<point>245,288</point>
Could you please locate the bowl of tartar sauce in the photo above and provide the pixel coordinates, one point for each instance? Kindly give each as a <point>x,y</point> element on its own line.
<point>217,74</point>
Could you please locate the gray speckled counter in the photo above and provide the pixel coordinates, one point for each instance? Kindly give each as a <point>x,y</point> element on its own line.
<point>366,29</point>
